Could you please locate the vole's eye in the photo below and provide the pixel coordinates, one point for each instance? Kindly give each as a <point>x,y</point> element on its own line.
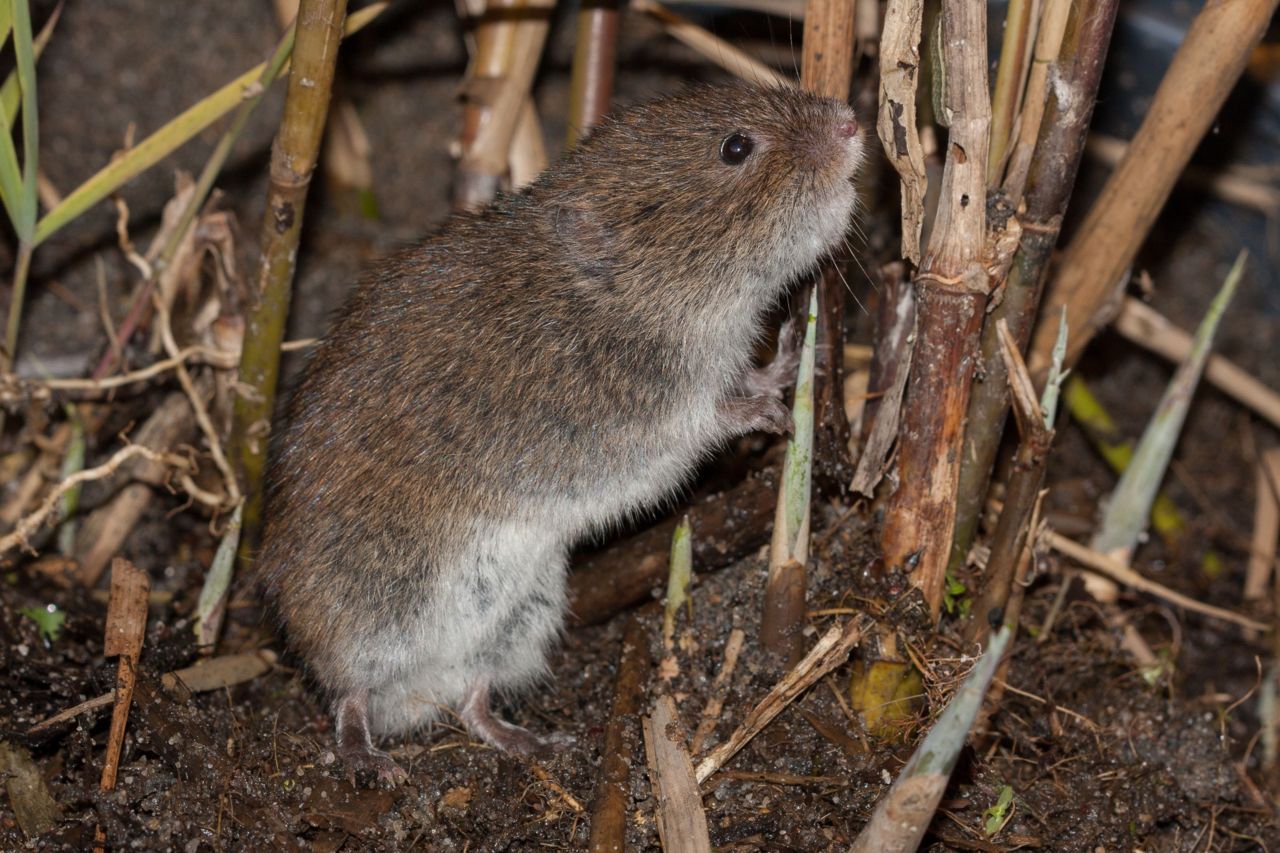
<point>735,148</point>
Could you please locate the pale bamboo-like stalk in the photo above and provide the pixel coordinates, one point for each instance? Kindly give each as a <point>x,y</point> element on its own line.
<point>508,47</point>
<point>719,51</point>
<point>1050,180</point>
<point>1204,70</point>
<point>951,295</point>
<point>594,58</point>
<point>784,593</point>
<point>293,160</point>
<point>1011,73</point>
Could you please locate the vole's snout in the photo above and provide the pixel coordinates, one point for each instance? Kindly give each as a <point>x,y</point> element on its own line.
<point>848,129</point>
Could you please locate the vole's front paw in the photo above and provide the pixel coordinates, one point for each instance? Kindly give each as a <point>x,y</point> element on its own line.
<point>762,413</point>
<point>780,373</point>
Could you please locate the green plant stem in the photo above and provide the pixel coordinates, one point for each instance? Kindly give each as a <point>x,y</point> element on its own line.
<point>12,327</point>
<point>293,161</point>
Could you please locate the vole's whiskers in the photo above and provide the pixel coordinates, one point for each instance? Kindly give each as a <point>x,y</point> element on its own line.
<point>791,40</point>
<point>839,267</point>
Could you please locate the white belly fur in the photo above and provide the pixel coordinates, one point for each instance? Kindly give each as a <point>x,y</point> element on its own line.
<point>496,613</point>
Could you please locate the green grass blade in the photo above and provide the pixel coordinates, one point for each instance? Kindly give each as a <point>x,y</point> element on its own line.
<point>11,92</point>
<point>164,141</point>
<point>10,179</point>
<point>1126,513</point>
<point>6,21</point>
<point>26,221</point>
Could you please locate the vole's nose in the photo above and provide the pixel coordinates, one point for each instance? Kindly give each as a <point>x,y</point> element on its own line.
<point>848,129</point>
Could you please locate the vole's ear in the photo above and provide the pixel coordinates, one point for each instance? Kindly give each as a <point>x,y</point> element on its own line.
<point>589,243</point>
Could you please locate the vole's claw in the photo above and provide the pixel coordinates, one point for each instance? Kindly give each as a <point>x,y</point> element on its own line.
<point>497,732</point>
<point>376,762</point>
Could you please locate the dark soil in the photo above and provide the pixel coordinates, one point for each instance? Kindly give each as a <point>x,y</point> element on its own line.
<point>1097,757</point>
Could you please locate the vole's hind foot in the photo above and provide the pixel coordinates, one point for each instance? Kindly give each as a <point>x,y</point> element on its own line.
<point>355,744</point>
<point>375,762</point>
<point>498,733</point>
<point>760,413</point>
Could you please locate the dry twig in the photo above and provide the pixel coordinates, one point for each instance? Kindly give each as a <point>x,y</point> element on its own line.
<point>1123,574</point>
<point>830,651</point>
<point>29,524</point>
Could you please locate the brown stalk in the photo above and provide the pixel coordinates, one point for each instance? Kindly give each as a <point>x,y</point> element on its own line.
<point>1021,495</point>
<point>1011,75</point>
<point>1050,180</point>
<point>126,629</point>
<point>1266,527</point>
<point>730,525</point>
<point>508,47</point>
<point>594,58</point>
<point>1207,65</point>
<point>609,811</point>
<point>951,295</point>
<point>293,160</point>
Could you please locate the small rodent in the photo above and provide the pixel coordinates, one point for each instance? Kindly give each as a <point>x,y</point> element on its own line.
<point>531,373</point>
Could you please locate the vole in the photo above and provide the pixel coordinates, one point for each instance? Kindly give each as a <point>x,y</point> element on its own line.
<point>530,374</point>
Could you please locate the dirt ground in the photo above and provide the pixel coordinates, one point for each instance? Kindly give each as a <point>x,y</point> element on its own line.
<point>1098,757</point>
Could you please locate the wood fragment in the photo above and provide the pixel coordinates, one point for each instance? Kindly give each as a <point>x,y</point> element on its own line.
<point>613,790</point>
<point>105,529</point>
<point>831,650</point>
<point>126,630</point>
<point>682,823</point>
<point>890,367</point>
<point>212,674</point>
<point>897,126</point>
<point>34,807</point>
<point>569,800</point>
